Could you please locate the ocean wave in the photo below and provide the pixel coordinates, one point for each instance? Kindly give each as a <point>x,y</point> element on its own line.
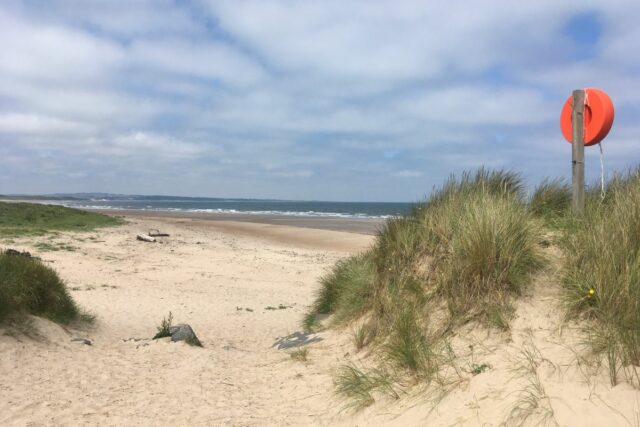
<point>355,215</point>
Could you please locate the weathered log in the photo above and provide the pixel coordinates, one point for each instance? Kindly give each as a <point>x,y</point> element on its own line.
<point>145,238</point>
<point>154,232</point>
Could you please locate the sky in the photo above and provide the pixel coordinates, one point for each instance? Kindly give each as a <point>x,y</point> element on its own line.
<point>304,100</point>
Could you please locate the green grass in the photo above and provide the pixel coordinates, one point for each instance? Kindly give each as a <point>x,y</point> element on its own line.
<point>163,330</point>
<point>19,219</point>
<point>551,199</point>
<point>601,274</point>
<point>27,286</point>
<point>359,386</point>
<point>45,246</point>
<point>462,255</point>
<point>345,291</point>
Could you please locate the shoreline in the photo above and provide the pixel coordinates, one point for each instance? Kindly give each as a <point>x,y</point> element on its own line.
<point>367,226</point>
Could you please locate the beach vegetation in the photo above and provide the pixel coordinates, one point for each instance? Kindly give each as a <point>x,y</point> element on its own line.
<point>461,256</point>
<point>300,354</point>
<point>551,199</point>
<point>20,219</point>
<point>345,291</point>
<point>164,329</point>
<point>601,272</point>
<point>464,255</point>
<point>27,286</point>
<point>359,386</point>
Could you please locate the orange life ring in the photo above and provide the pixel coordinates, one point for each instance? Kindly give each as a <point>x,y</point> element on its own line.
<point>598,117</point>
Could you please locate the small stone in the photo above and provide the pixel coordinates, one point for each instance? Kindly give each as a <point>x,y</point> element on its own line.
<point>85,341</point>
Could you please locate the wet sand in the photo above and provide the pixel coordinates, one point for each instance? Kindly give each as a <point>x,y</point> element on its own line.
<point>351,225</point>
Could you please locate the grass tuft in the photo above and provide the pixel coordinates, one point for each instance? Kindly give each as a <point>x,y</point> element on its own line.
<point>344,291</point>
<point>29,286</point>
<point>359,386</point>
<point>164,327</point>
<point>300,354</point>
<point>551,199</point>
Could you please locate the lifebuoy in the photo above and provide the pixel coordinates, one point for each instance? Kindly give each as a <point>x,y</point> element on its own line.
<point>598,117</point>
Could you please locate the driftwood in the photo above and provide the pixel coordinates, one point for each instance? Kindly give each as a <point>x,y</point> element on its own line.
<point>145,238</point>
<point>154,232</point>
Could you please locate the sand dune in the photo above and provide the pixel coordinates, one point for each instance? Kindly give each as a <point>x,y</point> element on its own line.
<point>221,277</point>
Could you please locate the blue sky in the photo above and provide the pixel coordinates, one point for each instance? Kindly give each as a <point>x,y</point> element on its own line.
<point>331,100</point>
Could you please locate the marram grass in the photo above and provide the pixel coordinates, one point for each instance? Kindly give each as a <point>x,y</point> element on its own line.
<point>463,254</point>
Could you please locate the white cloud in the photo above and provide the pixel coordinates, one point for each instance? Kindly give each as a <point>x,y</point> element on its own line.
<point>16,123</point>
<point>239,92</point>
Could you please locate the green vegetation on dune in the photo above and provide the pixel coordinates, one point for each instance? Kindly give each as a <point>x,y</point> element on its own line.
<point>601,274</point>
<point>464,255</point>
<point>551,199</point>
<point>17,219</point>
<point>27,286</point>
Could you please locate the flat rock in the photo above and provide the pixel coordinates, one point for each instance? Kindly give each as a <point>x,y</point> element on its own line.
<point>184,332</point>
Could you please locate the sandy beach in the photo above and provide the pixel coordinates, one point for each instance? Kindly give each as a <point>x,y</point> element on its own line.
<point>244,288</point>
<point>222,278</point>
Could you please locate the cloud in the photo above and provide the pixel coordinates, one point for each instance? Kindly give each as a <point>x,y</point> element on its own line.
<point>359,100</point>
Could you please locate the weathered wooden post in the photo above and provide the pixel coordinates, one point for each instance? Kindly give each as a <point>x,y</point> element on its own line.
<point>577,154</point>
<point>585,120</point>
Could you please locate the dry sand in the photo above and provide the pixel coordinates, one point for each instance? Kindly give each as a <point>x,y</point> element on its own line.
<point>220,277</point>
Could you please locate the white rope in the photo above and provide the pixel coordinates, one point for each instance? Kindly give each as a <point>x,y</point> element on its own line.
<point>602,194</point>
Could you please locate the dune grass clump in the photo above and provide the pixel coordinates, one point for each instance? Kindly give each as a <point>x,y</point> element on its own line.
<point>601,273</point>
<point>460,256</point>
<point>551,199</point>
<point>18,219</point>
<point>27,286</point>
<point>345,291</point>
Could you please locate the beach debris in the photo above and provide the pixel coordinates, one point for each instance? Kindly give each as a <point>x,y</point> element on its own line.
<point>154,232</point>
<point>184,332</point>
<point>85,341</point>
<point>145,238</point>
<point>279,307</point>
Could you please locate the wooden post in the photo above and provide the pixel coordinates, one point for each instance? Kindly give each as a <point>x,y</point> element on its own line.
<point>577,151</point>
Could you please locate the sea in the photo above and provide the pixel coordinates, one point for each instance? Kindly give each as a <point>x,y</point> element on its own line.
<point>236,206</point>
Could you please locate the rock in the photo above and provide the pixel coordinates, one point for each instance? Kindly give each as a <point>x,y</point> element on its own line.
<point>184,332</point>
<point>85,341</point>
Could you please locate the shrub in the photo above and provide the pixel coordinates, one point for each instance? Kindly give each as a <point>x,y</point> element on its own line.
<point>28,286</point>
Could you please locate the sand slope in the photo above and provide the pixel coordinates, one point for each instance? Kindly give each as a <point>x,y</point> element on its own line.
<point>208,274</point>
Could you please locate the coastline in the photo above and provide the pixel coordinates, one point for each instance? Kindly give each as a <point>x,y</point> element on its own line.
<point>368,226</point>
